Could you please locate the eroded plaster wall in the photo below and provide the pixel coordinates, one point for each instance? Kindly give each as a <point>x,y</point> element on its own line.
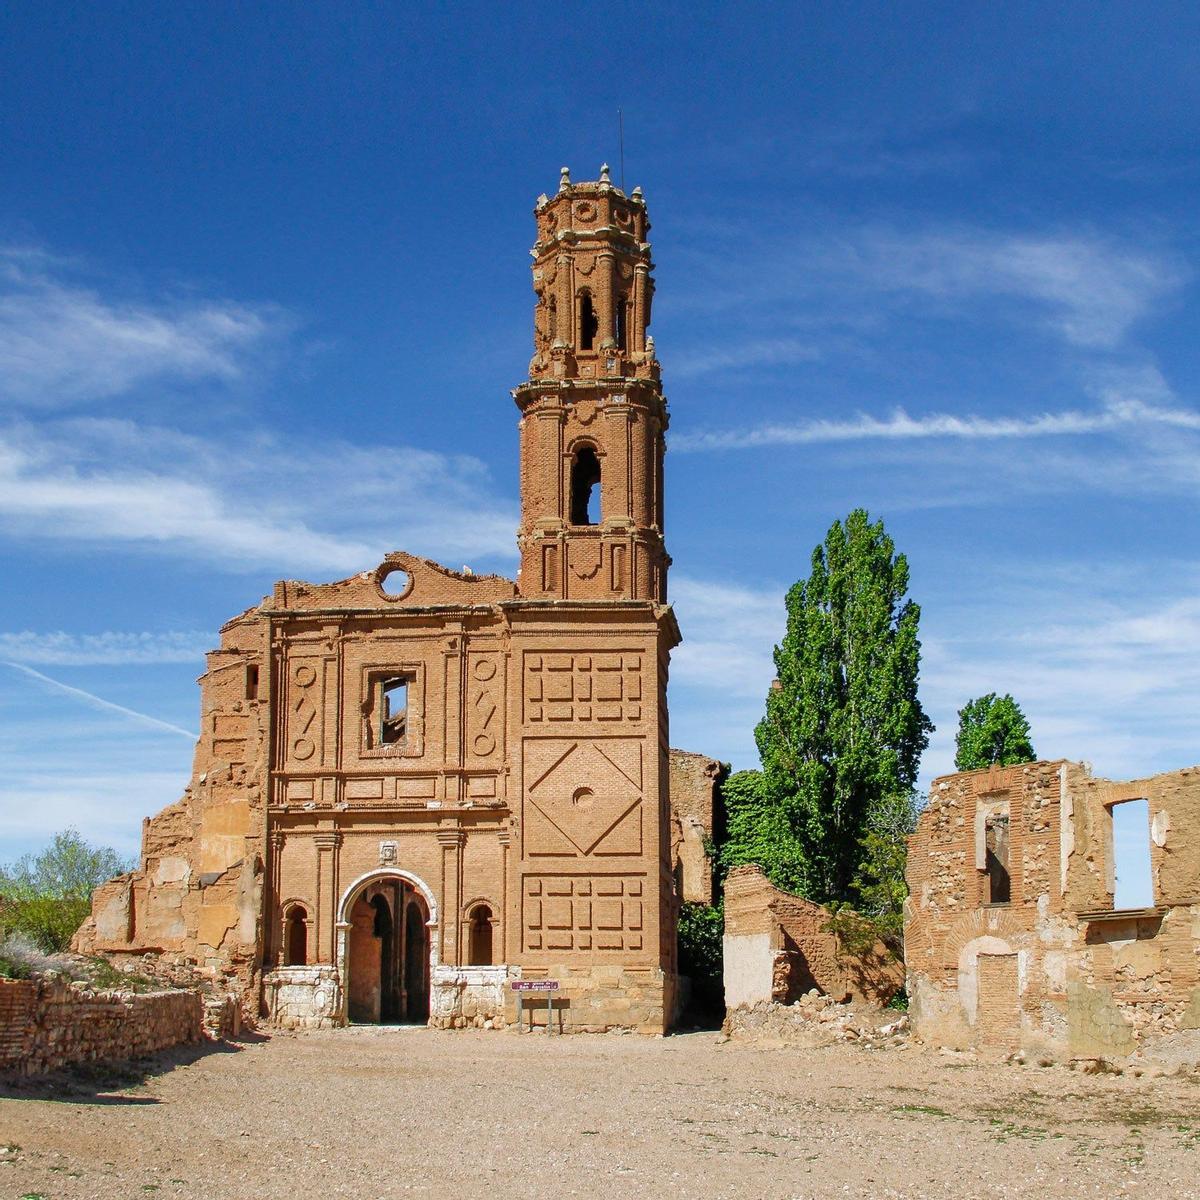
<point>1055,969</point>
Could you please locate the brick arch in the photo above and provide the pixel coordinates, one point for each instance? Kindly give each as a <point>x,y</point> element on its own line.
<point>584,441</point>
<point>381,873</point>
<point>1004,924</point>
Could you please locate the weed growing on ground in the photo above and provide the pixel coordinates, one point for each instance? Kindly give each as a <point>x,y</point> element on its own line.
<point>927,1110</point>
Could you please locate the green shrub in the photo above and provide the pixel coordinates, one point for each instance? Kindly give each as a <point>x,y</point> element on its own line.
<point>48,921</point>
<point>701,930</point>
<point>46,897</point>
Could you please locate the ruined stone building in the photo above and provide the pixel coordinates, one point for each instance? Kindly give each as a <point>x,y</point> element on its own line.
<point>415,784</point>
<point>1017,934</point>
<point>777,946</point>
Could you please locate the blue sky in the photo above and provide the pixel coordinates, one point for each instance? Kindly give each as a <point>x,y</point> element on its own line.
<point>264,288</point>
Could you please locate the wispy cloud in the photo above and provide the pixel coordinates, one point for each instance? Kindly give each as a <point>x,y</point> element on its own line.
<point>1106,667</point>
<point>59,648</point>
<point>94,701</point>
<point>1085,288</point>
<point>1090,288</point>
<point>770,352</point>
<point>1107,673</point>
<point>1116,414</point>
<point>64,342</point>
<point>287,506</point>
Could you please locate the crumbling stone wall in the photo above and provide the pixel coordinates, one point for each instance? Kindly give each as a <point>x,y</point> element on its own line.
<point>46,1024</point>
<point>776,948</point>
<point>197,895</point>
<point>1054,969</point>
<point>695,812</point>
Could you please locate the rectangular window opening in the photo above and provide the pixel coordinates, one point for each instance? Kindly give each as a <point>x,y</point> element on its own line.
<point>1132,886</point>
<point>252,681</point>
<point>999,882</point>
<point>393,710</point>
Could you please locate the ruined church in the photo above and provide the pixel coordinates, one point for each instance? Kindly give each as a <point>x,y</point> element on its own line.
<point>416,785</point>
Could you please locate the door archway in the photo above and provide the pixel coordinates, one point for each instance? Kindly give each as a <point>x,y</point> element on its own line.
<point>386,948</point>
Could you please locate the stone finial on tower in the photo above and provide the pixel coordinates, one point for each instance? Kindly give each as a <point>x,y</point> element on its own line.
<point>564,181</point>
<point>604,175</point>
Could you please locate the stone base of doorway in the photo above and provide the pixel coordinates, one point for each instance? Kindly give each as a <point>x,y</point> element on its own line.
<point>303,997</point>
<point>468,997</point>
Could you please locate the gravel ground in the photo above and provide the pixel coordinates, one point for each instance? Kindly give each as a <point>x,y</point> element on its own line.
<point>374,1113</point>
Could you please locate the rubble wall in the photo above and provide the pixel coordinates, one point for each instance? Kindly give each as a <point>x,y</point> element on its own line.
<point>1054,969</point>
<point>694,779</point>
<point>196,896</point>
<point>777,947</point>
<point>46,1024</point>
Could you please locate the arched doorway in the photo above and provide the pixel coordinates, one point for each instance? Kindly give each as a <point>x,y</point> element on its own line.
<point>387,951</point>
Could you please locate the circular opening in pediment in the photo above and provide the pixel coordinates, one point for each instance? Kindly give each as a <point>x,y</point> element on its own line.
<point>394,582</point>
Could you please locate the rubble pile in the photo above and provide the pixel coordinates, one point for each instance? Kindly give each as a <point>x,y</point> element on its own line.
<point>819,1020</point>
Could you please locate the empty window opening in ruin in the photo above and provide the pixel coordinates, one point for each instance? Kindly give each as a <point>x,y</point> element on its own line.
<point>296,942</point>
<point>589,324</point>
<point>552,323</point>
<point>585,487</point>
<point>480,937</point>
<point>622,318</point>
<point>1132,885</point>
<point>252,681</point>
<point>393,710</point>
<point>998,880</point>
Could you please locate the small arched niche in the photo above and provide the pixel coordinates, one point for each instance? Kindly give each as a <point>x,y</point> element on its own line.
<point>585,487</point>
<point>479,936</point>
<point>296,937</point>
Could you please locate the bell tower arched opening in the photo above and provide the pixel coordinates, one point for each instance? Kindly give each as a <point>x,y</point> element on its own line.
<point>589,323</point>
<point>585,487</point>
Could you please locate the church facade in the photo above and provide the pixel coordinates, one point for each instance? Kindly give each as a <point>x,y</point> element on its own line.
<point>415,786</point>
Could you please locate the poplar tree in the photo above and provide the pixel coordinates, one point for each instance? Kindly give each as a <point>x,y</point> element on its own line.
<point>843,732</point>
<point>992,730</point>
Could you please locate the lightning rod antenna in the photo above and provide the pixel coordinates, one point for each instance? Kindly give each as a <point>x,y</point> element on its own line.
<point>621,144</point>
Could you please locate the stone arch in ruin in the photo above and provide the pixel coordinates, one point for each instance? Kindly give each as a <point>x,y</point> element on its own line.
<point>387,947</point>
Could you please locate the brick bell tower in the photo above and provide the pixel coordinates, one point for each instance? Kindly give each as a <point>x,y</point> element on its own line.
<point>593,414</point>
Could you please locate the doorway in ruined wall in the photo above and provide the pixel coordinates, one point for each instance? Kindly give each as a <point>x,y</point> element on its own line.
<point>387,954</point>
<point>998,1023</point>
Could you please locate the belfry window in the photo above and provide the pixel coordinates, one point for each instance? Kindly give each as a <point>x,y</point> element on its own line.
<point>552,330</point>
<point>393,711</point>
<point>622,319</point>
<point>585,487</point>
<point>589,326</point>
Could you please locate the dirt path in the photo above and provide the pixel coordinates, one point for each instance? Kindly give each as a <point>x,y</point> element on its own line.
<point>373,1113</point>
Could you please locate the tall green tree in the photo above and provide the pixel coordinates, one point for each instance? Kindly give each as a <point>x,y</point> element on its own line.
<point>844,731</point>
<point>992,730</point>
<point>47,896</point>
<point>757,831</point>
